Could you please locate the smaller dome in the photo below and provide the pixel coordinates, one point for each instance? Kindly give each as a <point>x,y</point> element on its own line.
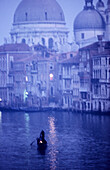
<point>100,4</point>
<point>89,19</point>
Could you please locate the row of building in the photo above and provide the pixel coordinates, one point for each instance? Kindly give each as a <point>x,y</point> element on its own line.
<point>39,77</point>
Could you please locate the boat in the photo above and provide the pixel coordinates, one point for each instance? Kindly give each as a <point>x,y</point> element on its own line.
<point>42,145</point>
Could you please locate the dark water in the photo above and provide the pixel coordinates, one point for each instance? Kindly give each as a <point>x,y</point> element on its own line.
<point>75,141</point>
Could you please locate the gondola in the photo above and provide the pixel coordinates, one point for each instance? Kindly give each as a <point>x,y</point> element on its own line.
<point>42,145</point>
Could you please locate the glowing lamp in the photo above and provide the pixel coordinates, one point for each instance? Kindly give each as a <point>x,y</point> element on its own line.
<point>26,78</point>
<point>51,76</point>
<point>26,93</point>
<point>0,99</point>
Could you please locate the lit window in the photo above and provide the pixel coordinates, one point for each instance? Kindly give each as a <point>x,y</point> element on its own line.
<point>26,78</point>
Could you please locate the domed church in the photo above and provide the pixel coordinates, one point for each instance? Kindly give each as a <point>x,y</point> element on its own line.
<point>39,22</point>
<point>90,23</point>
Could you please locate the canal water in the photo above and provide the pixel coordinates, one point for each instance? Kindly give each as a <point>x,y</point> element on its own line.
<point>75,141</point>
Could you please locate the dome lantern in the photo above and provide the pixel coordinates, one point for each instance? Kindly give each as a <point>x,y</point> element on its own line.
<point>89,4</point>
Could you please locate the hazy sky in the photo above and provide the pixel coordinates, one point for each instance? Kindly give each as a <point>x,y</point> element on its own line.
<point>7,8</point>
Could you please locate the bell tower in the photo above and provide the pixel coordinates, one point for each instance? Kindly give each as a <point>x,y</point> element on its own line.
<point>107,36</point>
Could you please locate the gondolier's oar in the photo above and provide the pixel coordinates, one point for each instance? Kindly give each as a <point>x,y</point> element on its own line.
<point>32,142</point>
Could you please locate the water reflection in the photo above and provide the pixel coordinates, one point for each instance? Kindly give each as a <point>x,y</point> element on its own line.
<point>53,140</point>
<point>0,117</point>
<point>27,119</point>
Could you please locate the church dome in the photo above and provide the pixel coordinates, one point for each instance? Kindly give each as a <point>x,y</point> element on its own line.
<point>38,11</point>
<point>89,18</point>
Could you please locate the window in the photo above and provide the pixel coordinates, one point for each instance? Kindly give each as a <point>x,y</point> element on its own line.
<point>45,15</point>
<point>50,43</point>
<point>82,35</point>
<point>11,64</point>
<point>26,16</point>
<point>71,55</point>
<point>43,41</point>
<point>23,41</point>
<point>96,89</point>
<point>67,83</point>
<point>67,70</point>
<point>51,91</point>
<point>84,95</point>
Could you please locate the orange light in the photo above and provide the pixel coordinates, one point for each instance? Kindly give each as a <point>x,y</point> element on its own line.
<point>51,76</point>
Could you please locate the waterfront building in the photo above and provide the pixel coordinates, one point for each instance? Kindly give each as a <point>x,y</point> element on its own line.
<point>11,75</point>
<point>99,74</point>
<point>69,81</point>
<point>101,77</point>
<point>85,79</point>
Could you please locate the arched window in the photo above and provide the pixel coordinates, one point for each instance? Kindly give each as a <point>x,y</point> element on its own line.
<point>23,41</point>
<point>45,15</point>
<point>26,16</point>
<point>50,43</point>
<point>43,41</point>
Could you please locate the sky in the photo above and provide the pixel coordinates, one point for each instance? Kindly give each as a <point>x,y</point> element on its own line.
<point>7,8</point>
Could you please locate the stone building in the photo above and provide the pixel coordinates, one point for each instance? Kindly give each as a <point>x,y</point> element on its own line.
<point>39,21</point>
<point>98,74</point>
<point>85,78</point>
<point>11,73</point>
<point>101,78</point>
<point>69,81</point>
<point>91,22</point>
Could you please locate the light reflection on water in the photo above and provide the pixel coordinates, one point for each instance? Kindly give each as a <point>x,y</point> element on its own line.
<point>53,140</point>
<point>0,116</point>
<point>27,119</point>
<point>75,141</point>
